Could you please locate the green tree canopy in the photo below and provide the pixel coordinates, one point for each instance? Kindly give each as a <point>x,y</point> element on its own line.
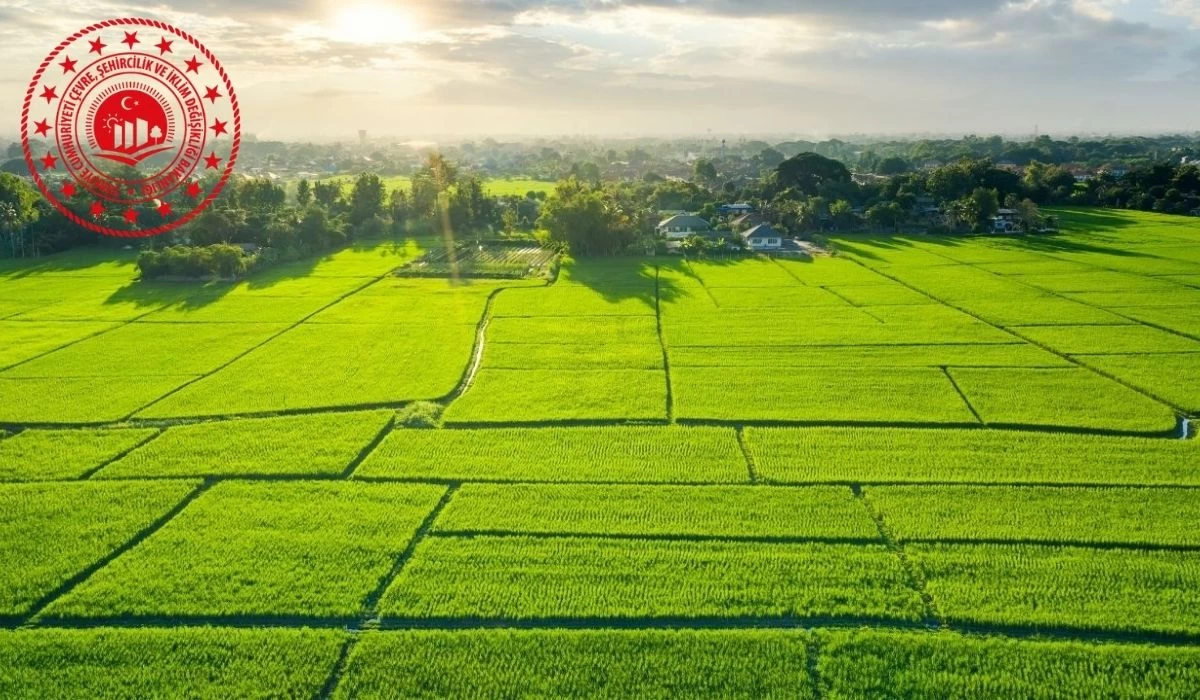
<point>586,220</point>
<point>811,174</point>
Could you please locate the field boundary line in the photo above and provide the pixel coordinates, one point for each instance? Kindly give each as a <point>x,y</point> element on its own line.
<point>933,616</point>
<point>998,426</point>
<point>215,418</point>
<point>65,588</point>
<point>339,665</point>
<point>122,454</point>
<point>860,307</point>
<point>370,618</point>
<point>1108,545</point>
<point>747,453</point>
<point>799,281</point>
<point>662,343</point>
<point>562,423</point>
<point>370,447</point>
<point>815,623</point>
<point>288,328</point>
<point>115,326</point>
<point>1065,295</point>
<point>812,660</point>
<point>954,383</point>
<point>1056,255</point>
<point>774,483</point>
<point>1179,410</point>
<point>1155,353</point>
<point>660,537</point>
<point>17,427</point>
<point>802,283</point>
<point>1005,329</point>
<point>793,346</point>
<point>374,598</point>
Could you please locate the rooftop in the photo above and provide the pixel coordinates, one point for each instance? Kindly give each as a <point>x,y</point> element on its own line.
<point>686,221</point>
<point>762,231</point>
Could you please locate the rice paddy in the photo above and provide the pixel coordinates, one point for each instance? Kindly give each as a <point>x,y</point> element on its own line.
<point>921,467</point>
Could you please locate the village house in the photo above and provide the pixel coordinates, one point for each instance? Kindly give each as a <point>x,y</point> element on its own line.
<point>763,237</point>
<point>738,208</point>
<point>683,226</point>
<point>1006,221</point>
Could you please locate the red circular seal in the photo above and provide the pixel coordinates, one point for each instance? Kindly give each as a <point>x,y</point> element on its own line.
<point>130,127</point>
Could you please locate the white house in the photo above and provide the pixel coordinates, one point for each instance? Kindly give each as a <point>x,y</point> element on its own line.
<point>1006,221</point>
<point>763,237</point>
<point>682,226</point>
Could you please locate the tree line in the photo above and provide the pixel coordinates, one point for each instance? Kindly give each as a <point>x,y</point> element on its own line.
<point>805,194</point>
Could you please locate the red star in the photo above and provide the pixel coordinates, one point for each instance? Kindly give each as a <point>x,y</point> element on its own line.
<point>193,189</point>
<point>68,190</point>
<point>49,161</point>
<point>97,46</point>
<point>131,216</point>
<point>67,64</point>
<point>164,209</point>
<point>218,127</point>
<point>130,39</point>
<point>43,128</point>
<point>164,46</point>
<point>193,66</point>
<point>212,94</point>
<point>211,160</point>
<point>49,93</point>
<point>97,210</point>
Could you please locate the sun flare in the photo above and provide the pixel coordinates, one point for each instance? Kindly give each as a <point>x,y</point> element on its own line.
<point>372,24</point>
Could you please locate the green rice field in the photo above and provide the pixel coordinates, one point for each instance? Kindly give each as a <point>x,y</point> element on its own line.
<point>921,467</point>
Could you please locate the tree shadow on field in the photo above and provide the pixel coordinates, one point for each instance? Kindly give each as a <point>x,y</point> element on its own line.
<point>616,279</point>
<point>1093,220</point>
<point>862,245</point>
<point>189,295</point>
<point>395,250</point>
<point>1086,242</point>
<point>72,261</point>
<point>652,280</point>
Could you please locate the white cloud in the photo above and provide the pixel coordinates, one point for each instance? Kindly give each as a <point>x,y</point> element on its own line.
<point>318,68</point>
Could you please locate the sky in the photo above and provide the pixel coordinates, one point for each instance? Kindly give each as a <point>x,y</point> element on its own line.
<point>321,70</point>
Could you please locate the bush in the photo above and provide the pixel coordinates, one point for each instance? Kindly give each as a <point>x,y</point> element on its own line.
<point>219,260</point>
<point>421,414</point>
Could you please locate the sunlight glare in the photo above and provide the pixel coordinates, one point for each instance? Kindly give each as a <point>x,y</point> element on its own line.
<point>372,24</point>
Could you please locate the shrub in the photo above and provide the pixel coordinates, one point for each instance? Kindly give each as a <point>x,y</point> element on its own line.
<point>420,414</point>
<point>220,260</point>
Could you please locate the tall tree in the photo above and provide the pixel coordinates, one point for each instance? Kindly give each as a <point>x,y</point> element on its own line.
<point>17,210</point>
<point>703,171</point>
<point>811,174</point>
<point>366,199</point>
<point>303,193</point>
<point>586,219</point>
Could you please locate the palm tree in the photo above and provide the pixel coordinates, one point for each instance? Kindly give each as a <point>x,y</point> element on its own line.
<point>10,222</point>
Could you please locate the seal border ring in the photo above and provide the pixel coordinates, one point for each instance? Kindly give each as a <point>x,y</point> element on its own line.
<point>229,163</point>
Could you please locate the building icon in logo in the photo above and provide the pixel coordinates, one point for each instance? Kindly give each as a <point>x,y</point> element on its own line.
<point>131,126</point>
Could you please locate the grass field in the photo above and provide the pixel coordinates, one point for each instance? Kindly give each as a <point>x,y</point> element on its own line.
<point>923,467</point>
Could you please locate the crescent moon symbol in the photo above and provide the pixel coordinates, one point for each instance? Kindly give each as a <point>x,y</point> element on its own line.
<point>123,105</point>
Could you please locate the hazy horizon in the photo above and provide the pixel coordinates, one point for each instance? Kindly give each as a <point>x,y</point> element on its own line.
<point>449,69</point>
